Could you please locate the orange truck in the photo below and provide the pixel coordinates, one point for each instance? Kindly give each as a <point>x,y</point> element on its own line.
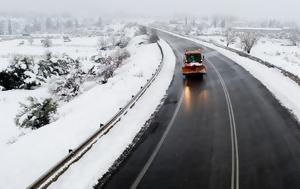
<point>193,63</point>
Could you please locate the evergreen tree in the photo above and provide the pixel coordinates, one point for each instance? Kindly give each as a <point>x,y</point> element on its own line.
<point>36,113</point>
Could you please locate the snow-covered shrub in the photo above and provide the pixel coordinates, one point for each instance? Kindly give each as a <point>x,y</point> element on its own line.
<point>142,30</point>
<point>52,65</point>
<point>119,56</point>
<point>230,36</point>
<point>66,87</point>
<point>21,74</point>
<point>36,113</point>
<point>108,72</point>
<point>102,43</point>
<point>294,37</point>
<point>21,43</point>
<point>66,39</point>
<point>153,38</point>
<point>109,64</point>
<point>123,41</point>
<point>46,42</point>
<point>98,59</point>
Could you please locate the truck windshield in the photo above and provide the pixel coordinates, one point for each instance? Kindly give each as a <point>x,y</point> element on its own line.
<point>193,58</point>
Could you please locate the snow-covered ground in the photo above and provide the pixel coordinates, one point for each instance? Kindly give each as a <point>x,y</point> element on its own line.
<point>276,51</point>
<point>86,172</point>
<point>80,47</point>
<point>26,154</point>
<point>283,88</point>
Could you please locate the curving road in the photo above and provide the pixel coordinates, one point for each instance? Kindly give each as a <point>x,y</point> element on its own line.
<point>223,131</point>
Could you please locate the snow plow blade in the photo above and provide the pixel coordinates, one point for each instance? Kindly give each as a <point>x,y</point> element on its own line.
<point>193,70</point>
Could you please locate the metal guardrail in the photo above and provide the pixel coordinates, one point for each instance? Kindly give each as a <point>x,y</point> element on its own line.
<point>57,170</point>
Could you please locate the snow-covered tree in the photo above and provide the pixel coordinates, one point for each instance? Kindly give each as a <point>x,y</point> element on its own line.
<point>36,113</point>
<point>294,37</point>
<point>248,40</point>
<point>21,74</point>
<point>108,65</point>
<point>123,41</point>
<point>153,38</point>
<point>67,87</point>
<point>230,36</point>
<point>142,30</point>
<point>57,66</point>
<point>46,42</point>
<point>102,43</point>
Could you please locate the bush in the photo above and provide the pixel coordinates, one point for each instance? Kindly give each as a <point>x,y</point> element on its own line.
<point>21,74</point>
<point>153,38</point>
<point>119,56</point>
<point>46,42</point>
<point>123,41</point>
<point>142,30</point>
<point>66,88</point>
<point>102,43</point>
<point>36,113</point>
<point>108,72</point>
<point>294,37</point>
<point>54,66</point>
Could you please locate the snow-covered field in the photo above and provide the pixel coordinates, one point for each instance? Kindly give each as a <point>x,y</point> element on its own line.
<point>26,154</point>
<point>276,51</point>
<point>80,47</point>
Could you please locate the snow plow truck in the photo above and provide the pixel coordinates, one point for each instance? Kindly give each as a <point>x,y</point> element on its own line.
<point>193,63</point>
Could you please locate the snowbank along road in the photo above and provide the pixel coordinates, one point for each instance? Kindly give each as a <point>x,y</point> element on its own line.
<point>223,131</point>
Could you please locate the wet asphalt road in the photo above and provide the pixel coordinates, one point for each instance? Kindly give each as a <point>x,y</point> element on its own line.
<point>224,130</point>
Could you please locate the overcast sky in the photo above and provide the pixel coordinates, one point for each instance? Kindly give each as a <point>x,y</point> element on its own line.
<point>251,9</point>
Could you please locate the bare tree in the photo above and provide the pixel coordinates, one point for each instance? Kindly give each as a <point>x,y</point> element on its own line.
<point>294,37</point>
<point>248,40</point>
<point>102,43</point>
<point>46,42</point>
<point>230,36</point>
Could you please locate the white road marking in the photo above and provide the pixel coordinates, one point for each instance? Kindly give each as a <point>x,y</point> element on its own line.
<point>234,143</point>
<point>157,148</point>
